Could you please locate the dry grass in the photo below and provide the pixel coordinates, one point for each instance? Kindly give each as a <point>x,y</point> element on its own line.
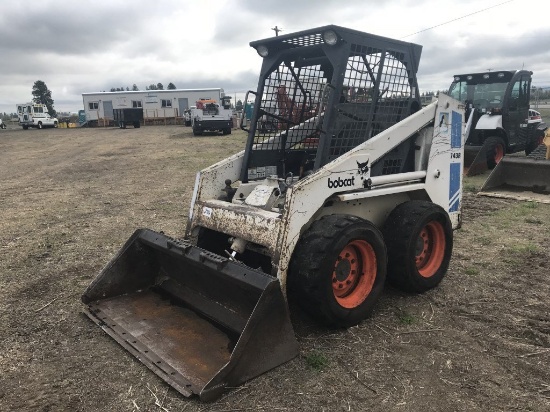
<point>71,198</point>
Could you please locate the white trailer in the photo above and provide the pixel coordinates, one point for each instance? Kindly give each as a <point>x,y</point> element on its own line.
<point>35,115</point>
<point>156,104</point>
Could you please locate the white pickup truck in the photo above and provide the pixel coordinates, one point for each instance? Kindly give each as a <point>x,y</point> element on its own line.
<point>35,115</point>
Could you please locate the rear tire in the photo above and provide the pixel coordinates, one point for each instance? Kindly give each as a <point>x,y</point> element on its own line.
<point>197,132</point>
<point>495,151</point>
<point>39,125</point>
<point>338,270</point>
<point>419,238</point>
<point>536,142</point>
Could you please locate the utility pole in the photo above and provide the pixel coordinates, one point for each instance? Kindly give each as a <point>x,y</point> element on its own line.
<point>276,30</point>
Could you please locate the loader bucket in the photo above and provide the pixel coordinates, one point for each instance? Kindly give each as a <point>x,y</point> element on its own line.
<point>475,160</point>
<point>200,321</point>
<point>520,177</point>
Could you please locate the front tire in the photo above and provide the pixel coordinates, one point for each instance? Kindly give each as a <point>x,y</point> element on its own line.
<point>419,238</point>
<point>496,150</point>
<point>338,270</point>
<point>39,125</point>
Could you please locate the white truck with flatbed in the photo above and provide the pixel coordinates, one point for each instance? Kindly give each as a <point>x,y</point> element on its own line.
<point>209,116</point>
<point>35,115</point>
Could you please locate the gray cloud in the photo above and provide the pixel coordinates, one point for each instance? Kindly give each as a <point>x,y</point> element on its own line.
<point>78,47</point>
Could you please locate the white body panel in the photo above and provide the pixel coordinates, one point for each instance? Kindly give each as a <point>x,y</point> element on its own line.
<point>341,186</point>
<point>199,115</point>
<point>489,122</point>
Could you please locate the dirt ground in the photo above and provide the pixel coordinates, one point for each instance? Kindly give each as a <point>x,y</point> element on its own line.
<point>70,198</point>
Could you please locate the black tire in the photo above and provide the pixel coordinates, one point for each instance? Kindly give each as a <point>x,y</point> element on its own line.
<point>419,238</point>
<point>338,270</point>
<point>496,149</point>
<point>137,125</point>
<point>39,125</point>
<point>25,127</point>
<point>55,125</point>
<point>226,131</point>
<point>197,132</point>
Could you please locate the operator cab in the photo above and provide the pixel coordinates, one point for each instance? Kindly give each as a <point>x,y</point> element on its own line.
<point>321,93</point>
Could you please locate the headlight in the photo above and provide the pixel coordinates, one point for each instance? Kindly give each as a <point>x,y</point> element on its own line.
<point>330,37</point>
<point>262,50</point>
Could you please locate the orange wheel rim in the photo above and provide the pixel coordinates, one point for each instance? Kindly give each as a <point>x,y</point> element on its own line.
<point>354,273</point>
<point>430,249</point>
<point>499,153</point>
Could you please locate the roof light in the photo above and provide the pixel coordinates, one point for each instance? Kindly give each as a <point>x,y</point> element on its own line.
<point>262,50</point>
<point>330,37</point>
<point>500,75</point>
<point>485,76</point>
<point>469,77</point>
<point>457,79</point>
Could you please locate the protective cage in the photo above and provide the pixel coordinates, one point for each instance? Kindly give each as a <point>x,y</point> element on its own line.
<point>324,91</point>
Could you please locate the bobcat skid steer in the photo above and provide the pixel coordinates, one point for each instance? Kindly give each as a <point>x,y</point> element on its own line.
<point>498,101</point>
<point>344,179</point>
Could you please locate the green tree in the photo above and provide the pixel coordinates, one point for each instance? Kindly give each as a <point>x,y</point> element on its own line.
<point>171,86</point>
<point>239,105</point>
<point>134,87</point>
<point>43,95</point>
<point>160,86</point>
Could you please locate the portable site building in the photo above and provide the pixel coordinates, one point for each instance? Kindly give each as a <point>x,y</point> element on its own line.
<point>163,106</point>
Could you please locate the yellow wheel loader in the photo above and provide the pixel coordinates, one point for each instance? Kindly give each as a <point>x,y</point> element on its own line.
<point>345,182</point>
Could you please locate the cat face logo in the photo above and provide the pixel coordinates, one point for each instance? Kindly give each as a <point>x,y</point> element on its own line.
<point>363,171</point>
<point>363,168</point>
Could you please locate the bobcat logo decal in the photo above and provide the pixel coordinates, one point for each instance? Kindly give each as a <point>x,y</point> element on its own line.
<point>363,171</point>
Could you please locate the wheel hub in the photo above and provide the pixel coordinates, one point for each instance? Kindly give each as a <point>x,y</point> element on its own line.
<point>342,270</point>
<point>354,273</point>
<point>430,249</point>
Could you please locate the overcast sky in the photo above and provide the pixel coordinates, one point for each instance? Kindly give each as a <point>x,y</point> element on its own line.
<point>83,46</point>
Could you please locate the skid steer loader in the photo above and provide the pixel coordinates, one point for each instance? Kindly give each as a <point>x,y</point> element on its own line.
<point>345,180</point>
<point>498,101</point>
